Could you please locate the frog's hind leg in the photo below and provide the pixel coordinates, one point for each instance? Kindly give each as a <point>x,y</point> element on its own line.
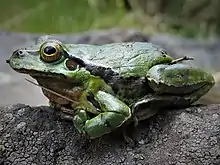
<point>183,81</point>
<point>154,103</point>
<point>151,104</point>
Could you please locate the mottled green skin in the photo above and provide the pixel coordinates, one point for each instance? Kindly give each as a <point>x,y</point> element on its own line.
<point>117,82</point>
<point>127,59</point>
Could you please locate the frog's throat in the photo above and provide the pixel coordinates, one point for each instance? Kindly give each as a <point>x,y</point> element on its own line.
<point>51,91</point>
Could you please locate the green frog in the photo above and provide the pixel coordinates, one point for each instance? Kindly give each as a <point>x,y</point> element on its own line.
<point>102,87</point>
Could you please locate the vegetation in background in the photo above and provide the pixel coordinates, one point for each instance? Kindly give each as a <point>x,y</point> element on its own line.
<point>56,16</point>
<point>185,17</point>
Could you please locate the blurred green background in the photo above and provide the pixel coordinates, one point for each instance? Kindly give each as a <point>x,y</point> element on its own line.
<point>191,18</point>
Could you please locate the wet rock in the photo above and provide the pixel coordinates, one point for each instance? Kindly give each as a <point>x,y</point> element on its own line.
<point>37,135</point>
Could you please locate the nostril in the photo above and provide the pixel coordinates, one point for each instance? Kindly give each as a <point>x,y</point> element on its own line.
<point>19,53</point>
<point>8,61</point>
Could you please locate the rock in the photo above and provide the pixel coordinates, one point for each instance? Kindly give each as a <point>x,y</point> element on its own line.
<point>36,135</point>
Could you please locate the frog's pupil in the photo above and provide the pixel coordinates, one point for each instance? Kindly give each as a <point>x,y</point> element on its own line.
<point>49,50</point>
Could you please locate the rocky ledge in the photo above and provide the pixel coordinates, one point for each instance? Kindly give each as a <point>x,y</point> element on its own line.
<point>36,135</point>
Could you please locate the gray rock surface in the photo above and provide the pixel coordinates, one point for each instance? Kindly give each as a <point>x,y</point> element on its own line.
<point>36,135</point>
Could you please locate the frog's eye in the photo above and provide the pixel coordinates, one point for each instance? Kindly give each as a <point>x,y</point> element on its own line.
<point>50,52</point>
<point>71,64</point>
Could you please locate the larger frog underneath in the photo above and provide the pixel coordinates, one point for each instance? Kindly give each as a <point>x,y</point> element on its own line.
<point>105,86</point>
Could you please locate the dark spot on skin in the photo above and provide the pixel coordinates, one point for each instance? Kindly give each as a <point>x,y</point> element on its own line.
<point>50,50</point>
<point>129,45</point>
<point>108,125</point>
<point>79,61</point>
<point>93,101</point>
<point>96,70</point>
<point>185,75</point>
<point>108,71</point>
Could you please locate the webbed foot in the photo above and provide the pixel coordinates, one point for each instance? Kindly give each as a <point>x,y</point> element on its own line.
<point>113,114</point>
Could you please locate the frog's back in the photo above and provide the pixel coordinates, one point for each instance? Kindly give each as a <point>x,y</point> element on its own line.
<point>131,58</point>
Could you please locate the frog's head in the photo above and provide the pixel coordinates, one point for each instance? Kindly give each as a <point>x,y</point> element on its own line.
<point>47,59</point>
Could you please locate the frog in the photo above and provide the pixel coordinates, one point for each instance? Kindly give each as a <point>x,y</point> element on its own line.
<point>103,87</point>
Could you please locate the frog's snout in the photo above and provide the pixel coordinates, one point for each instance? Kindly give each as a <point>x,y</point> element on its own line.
<point>16,54</point>
<point>8,61</point>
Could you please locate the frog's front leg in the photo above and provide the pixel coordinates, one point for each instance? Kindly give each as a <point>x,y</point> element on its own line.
<point>113,114</point>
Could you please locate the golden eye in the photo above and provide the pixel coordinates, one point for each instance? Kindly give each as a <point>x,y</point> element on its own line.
<point>71,64</point>
<point>50,52</point>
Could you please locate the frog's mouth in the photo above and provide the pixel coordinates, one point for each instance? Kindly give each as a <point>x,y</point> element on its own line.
<point>34,73</point>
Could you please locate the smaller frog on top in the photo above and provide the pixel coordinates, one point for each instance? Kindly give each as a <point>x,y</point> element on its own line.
<point>100,88</point>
